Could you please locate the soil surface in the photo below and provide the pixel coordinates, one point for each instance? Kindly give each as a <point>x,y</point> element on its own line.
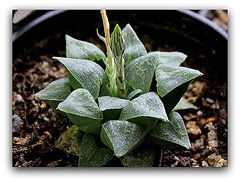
<point>36,126</point>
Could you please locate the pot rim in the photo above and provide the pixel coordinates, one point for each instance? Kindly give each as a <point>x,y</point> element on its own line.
<point>35,22</point>
<point>205,21</point>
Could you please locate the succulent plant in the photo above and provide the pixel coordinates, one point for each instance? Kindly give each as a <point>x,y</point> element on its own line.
<point>112,102</point>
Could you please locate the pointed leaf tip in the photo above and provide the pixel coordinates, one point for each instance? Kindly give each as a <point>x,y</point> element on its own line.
<point>84,74</point>
<point>122,136</point>
<point>145,109</point>
<point>83,111</point>
<point>172,134</point>
<point>134,47</point>
<point>78,49</point>
<point>56,92</point>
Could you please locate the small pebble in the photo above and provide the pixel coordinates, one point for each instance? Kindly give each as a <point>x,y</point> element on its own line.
<point>210,101</point>
<point>210,126</point>
<point>19,98</point>
<point>213,143</point>
<point>199,144</point>
<point>194,162</point>
<point>221,163</point>
<point>210,120</point>
<point>20,141</point>
<point>205,164</point>
<point>46,119</point>
<point>199,113</point>
<point>212,135</point>
<point>17,123</point>
<point>216,160</point>
<point>193,128</point>
<point>212,138</point>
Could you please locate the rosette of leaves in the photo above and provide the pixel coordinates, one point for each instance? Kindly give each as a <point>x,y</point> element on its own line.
<point>112,103</point>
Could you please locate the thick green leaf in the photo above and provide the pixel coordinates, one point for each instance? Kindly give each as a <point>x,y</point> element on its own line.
<point>140,72</point>
<point>134,47</point>
<point>169,77</point>
<point>92,156</point>
<point>169,58</point>
<point>122,136</point>
<point>171,134</point>
<point>84,74</point>
<point>70,140</point>
<point>134,94</point>
<point>145,109</point>
<point>111,106</point>
<point>143,156</point>
<point>172,98</point>
<point>108,103</point>
<point>172,83</point>
<point>83,111</point>
<point>56,92</point>
<point>184,104</point>
<point>78,49</point>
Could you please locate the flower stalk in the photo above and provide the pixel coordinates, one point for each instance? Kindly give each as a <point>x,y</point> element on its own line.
<point>110,64</point>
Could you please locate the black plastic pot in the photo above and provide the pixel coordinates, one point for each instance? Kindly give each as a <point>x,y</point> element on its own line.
<point>186,30</point>
<point>169,30</point>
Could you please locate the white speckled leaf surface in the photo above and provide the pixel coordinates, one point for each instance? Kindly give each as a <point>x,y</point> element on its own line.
<point>78,49</point>
<point>57,90</point>
<point>84,74</point>
<point>82,110</point>
<point>140,72</point>
<point>122,136</point>
<point>92,156</point>
<point>169,77</point>
<point>172,133</point>
<point>108,102</point>
<point>134,47</point>
<point>145,109</point>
